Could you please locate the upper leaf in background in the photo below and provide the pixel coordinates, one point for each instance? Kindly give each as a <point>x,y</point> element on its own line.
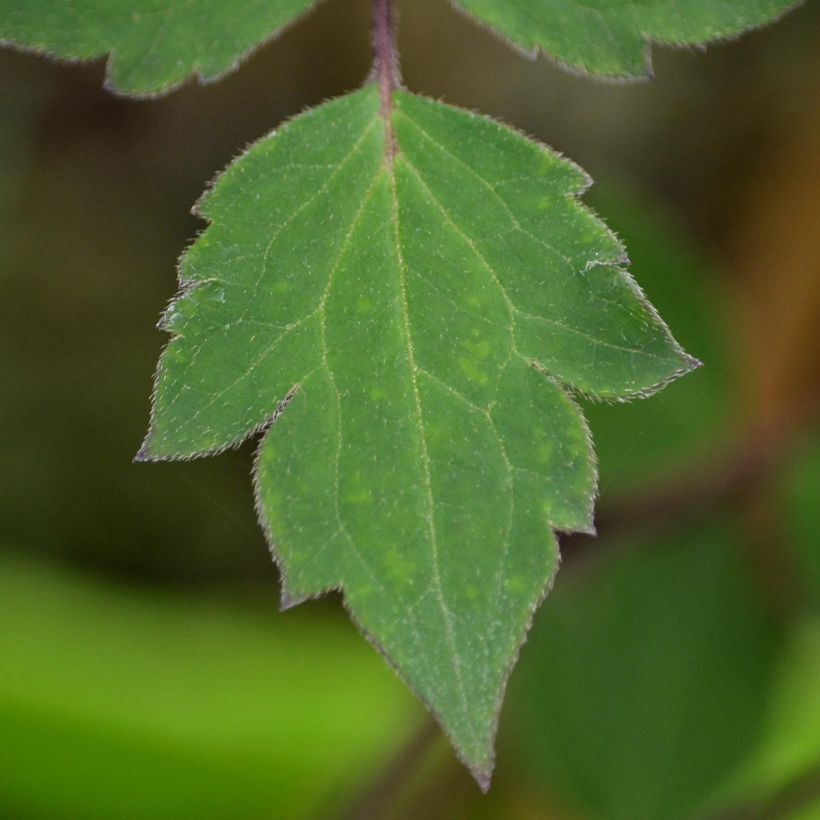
<point>420,290</point>
<point>154,45</point>
<point>611,38</point>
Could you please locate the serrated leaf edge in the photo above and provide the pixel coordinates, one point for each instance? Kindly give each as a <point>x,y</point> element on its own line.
<point>195,76</point>
<point>481,772</point>
<point>650,44</point>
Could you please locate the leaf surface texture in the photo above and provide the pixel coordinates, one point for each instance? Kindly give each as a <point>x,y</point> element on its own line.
<point>412,295</point>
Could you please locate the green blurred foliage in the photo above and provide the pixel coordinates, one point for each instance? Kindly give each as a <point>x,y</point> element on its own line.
<point>118,702</point>
<point>800,494</point>
<point>645,685</point>
<point>786,759</point>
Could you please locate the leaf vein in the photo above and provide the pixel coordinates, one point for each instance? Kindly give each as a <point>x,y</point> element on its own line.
<point>425,460</point>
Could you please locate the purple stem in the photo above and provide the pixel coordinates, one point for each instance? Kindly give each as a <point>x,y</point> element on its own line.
<point>385,66</point>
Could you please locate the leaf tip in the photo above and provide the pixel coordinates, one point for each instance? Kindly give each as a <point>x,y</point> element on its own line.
<point>482,776</point>
<point>692,363</point>
<point>589,529</point>
<point>289,600</point>
<point>143,455</point>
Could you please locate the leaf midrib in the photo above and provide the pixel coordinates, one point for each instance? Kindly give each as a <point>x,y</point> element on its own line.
<point>425,456</point>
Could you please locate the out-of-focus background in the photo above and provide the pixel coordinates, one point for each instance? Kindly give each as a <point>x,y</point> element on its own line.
<point>674,672</point>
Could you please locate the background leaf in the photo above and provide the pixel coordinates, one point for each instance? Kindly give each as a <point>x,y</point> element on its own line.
<point>644,687</point>
<point>781,773</point>
<point>611,37</point>
<point>800,499</point>
<point>154,45</point>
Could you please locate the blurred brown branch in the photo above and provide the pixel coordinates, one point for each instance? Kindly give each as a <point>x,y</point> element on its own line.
<point>381,792</point>
<point>723,481</point>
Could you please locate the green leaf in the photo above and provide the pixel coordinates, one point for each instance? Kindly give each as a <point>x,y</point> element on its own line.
<point>412,293</point>
<point>789,753</point>
<point>611,37</point>
<point>154,45</point>
<point>646,682</point>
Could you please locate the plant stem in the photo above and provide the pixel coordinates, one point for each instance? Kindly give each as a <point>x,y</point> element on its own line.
<point>385,67</point>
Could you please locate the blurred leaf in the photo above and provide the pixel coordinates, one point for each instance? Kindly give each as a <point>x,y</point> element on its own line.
<point>125,703</point>
<point>419,349</point>
<point>611,37</point>
<point>790,749</point>
<point>802,491</point>
<point>154,45</point>
<point>644,687</point>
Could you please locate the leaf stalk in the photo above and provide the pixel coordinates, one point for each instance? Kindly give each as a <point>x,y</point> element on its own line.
<point>385,67</point>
